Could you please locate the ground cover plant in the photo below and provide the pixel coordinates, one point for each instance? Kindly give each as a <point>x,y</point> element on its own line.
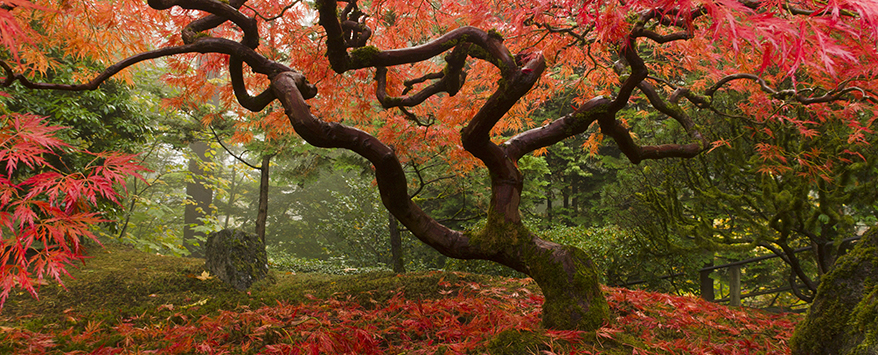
<point>129,302</point>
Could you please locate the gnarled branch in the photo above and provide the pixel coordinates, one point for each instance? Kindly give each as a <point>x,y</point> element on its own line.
<point>220,11</point>
<point>259,63</point>
<point>450,81</point>
<point>389,174</point>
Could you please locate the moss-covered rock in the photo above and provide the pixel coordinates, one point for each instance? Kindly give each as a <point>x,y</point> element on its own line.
<point>843,319</point>
<point>236,257</point>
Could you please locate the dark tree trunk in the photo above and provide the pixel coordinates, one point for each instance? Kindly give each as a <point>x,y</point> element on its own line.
<point>566,275</point>
<point>396,260</point>
<point>232,190</point>
<point>201,198</point>
<point>262,210</point>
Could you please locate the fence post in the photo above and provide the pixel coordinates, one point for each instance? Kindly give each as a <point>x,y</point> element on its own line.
<point>735,285</point>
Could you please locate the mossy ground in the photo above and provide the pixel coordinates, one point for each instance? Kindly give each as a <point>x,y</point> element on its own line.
<point>444,312</point>
<point>120,282</point>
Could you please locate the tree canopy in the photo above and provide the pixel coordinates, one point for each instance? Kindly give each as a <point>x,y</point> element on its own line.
<point>397,80</point>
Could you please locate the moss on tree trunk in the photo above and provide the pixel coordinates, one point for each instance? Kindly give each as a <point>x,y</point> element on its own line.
<point>569,281</point>
<point>843,319</point>
<point>565,274</point>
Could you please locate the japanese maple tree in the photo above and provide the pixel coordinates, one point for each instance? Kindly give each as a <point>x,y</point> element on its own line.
<point>394,80</point>
<point>46,211</point>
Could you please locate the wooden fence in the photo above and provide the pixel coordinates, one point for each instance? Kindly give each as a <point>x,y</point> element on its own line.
<point>734,279</point>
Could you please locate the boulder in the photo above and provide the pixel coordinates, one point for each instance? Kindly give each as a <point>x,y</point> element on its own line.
<point>236,257</point>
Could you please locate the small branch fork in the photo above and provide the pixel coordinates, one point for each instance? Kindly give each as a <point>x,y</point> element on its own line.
<point>346,49</point>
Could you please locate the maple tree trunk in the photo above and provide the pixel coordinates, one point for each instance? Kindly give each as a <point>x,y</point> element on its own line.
<point>566,275</point>
<point>570,283</point>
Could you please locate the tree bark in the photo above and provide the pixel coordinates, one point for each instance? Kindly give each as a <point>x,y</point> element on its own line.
<point>844,315</point>
<point>262,210</point>
<point>565,274</point>
<point>396,259</point>
<point>201,198</point>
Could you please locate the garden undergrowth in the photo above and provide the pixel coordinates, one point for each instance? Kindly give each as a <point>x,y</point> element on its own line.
<point>128,302</point>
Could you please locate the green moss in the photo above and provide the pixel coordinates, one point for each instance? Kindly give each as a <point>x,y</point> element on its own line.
<point>450,43</point>
<point>864,319</point>
<point>845,309</point>
<point>364,56</point>
<point>246,267</point>
<point>515,342</point>
<point>391,102</point>
<point>675,108</point>
<point>573,301</point>
<point>573,296</point>
<point>587,117</point>
<point>200,35</point>
<point>478,52</point>
<point>493,33</point>
<point>500,235</point>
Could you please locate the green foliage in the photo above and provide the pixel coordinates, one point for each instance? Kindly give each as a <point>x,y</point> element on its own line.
<point>735,201</point>
<point>623,256</point>
<point>280,259</point>
<point>153,221</point>
<point>581,173</point>
<point>112,118</point>
<point>331,211</point>
<point>357,221</point>
<point>535,172</point>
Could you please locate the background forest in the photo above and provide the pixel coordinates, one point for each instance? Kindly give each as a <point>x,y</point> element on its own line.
<point>643,222</point>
